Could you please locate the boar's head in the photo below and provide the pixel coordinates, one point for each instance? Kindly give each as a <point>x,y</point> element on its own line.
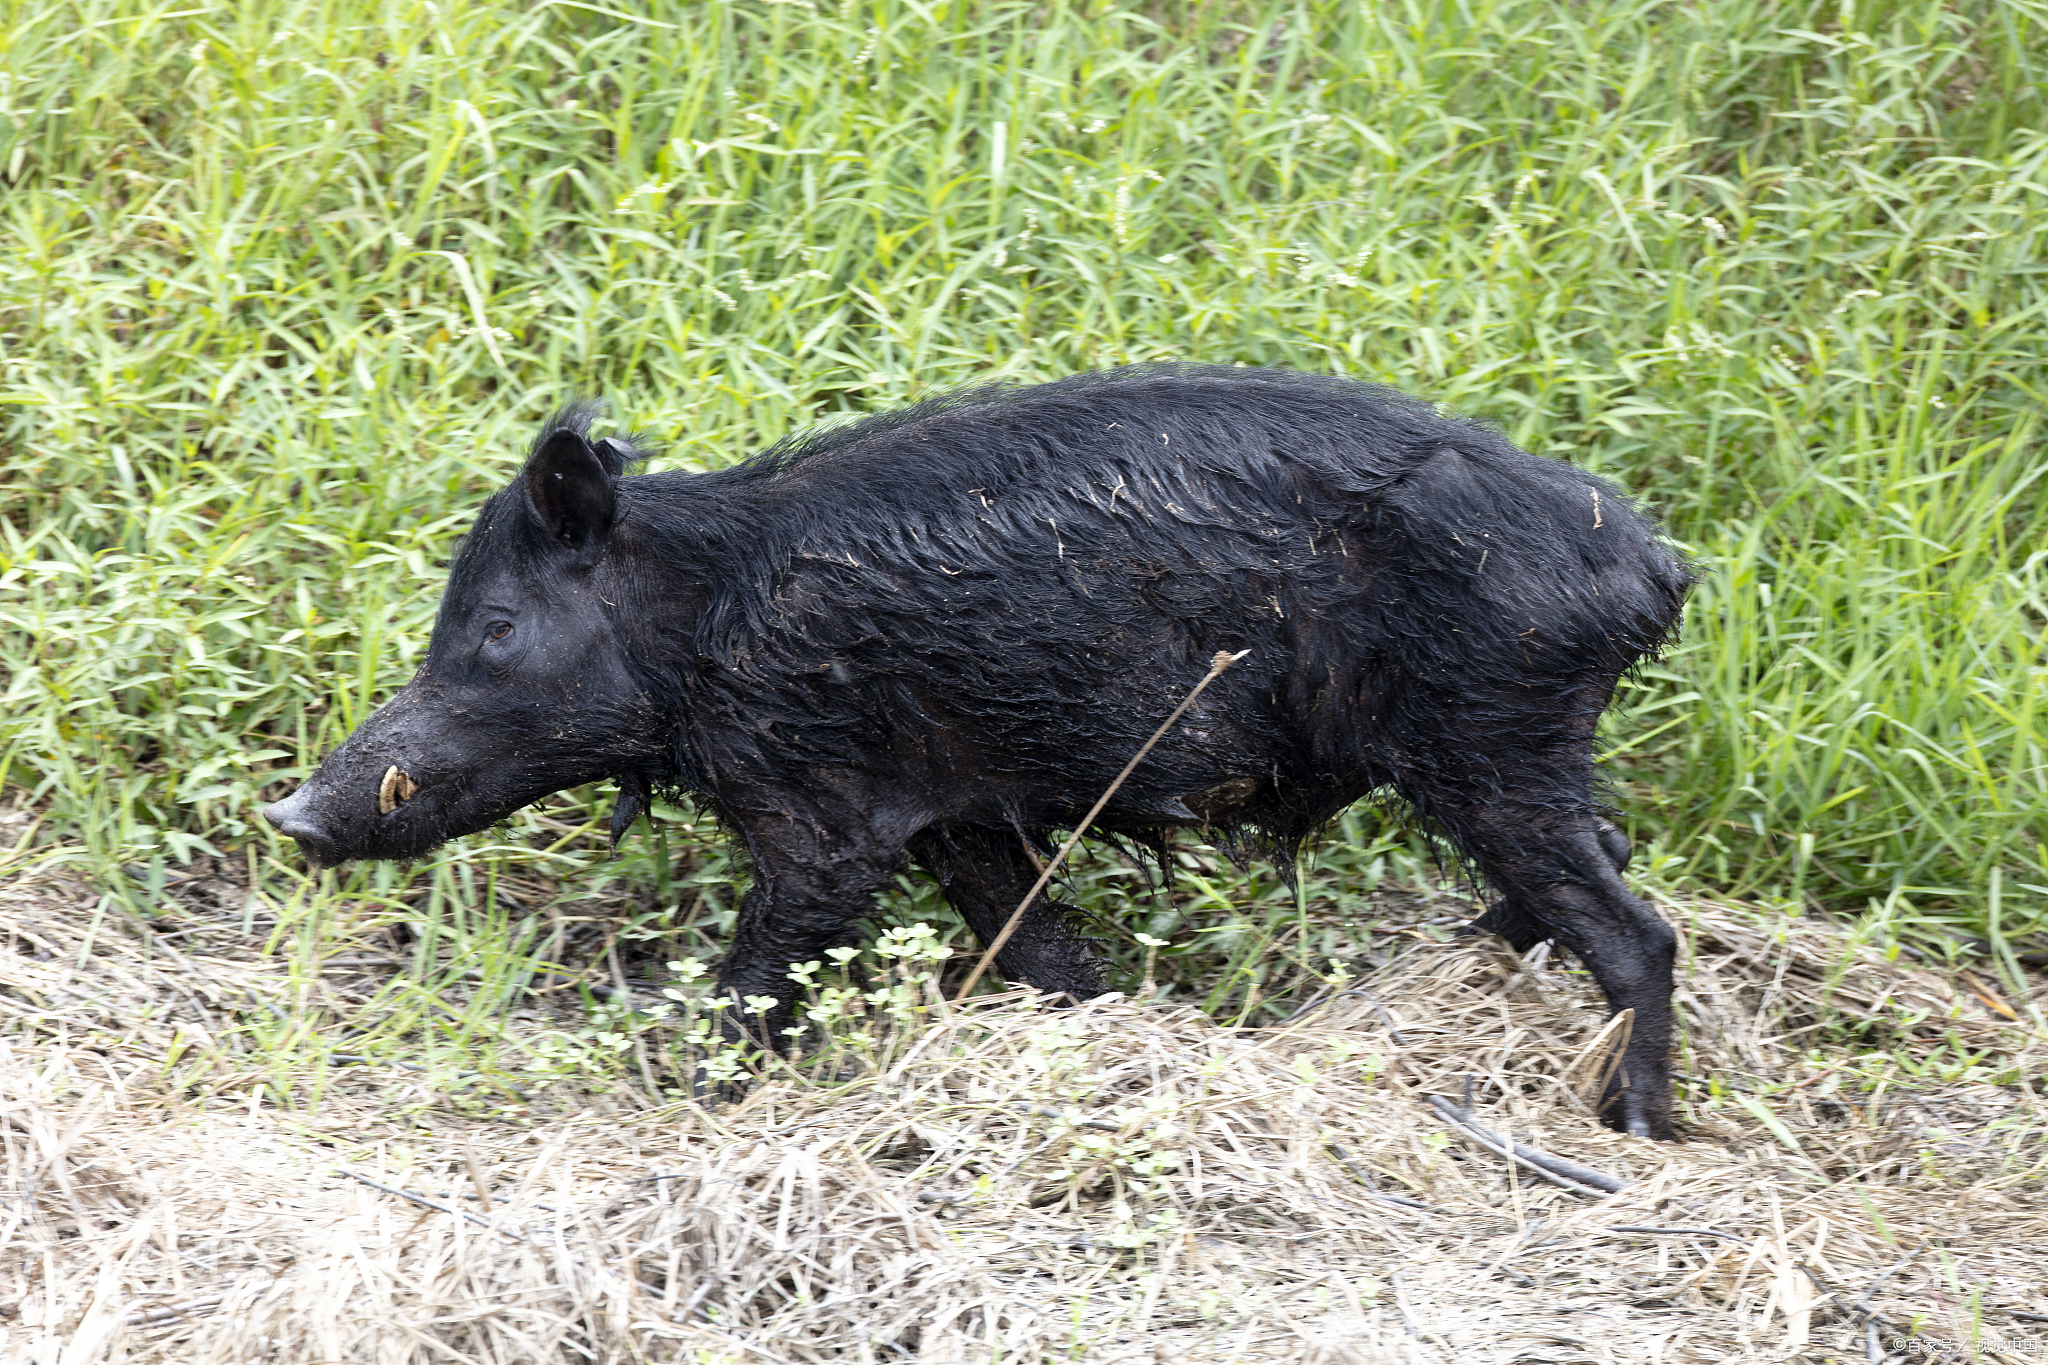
<point>526,688</point>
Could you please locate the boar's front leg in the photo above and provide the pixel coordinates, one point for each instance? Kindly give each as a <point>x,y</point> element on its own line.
<point>808,888</point>
<point>985,873</point>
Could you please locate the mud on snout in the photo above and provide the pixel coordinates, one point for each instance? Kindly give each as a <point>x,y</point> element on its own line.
<point>397,788</point>
<point>351,809</point>
<point>433,766</point>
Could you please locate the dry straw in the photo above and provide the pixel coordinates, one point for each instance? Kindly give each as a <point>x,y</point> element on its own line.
<point>1126,1181</point>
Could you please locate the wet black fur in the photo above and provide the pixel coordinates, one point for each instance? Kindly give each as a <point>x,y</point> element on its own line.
<point>940,632</point>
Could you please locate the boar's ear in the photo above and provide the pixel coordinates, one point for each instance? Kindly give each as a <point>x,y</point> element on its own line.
<point>571,494</point>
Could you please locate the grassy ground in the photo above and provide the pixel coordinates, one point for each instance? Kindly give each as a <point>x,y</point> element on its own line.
<point>285,287</point>
<point>1124,1184</point>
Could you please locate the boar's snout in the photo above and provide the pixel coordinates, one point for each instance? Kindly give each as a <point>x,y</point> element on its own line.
<point>341,813</point>
<point>296,819</point>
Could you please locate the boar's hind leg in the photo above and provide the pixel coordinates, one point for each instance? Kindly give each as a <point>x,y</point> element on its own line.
<point>1523,933</point>
<point>984,872</point>
<point>1557,866</point>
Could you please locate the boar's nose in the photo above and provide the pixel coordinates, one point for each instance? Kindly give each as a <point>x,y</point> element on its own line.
<point>294,819</point>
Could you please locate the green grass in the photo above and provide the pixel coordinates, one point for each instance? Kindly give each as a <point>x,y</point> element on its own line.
<point>285,287</point>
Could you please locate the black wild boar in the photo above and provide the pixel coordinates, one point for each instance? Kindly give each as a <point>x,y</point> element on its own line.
<point>940,632</point>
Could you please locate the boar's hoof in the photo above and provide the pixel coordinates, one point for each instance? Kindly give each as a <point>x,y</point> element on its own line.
<point>395,791</point>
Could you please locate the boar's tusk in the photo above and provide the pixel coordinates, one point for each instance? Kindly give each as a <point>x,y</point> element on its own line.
<point>394,791</point>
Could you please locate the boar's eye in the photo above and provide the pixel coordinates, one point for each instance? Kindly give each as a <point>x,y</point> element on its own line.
<point>497,630</point>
